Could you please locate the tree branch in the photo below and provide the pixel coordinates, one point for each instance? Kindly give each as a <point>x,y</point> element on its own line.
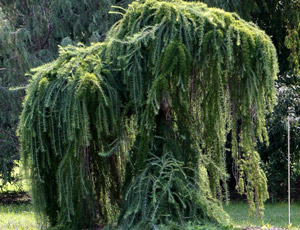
<point>48,36</point>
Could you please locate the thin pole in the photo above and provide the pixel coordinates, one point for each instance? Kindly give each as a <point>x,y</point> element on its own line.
<point>289,171</point>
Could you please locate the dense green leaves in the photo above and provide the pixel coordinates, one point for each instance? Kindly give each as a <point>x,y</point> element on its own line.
<point>149,110</point>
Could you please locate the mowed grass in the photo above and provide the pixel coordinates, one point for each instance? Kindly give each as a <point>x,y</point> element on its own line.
<point>21,217</point>
<point>17,217</point>
<point>276,215</point>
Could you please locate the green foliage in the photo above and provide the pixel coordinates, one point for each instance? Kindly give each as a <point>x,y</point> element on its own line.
<point>274,156</point>
<point>74,121</point>
<point>30,32</point>
<point>164,193</point>
<point>292,42</point>
<point>244,8</point>
<point>279,18</point>
<point>149,110</point>
<point>13,61</point>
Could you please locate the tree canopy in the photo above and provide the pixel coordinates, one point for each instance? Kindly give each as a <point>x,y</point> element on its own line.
<point>137,125</point>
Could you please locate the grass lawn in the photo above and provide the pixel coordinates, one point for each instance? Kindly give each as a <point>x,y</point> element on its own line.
<point>275,215</point>
<point>21,217</point>
<point>17,217</point>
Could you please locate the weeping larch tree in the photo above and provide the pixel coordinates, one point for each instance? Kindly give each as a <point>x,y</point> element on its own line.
<point>135,130</point>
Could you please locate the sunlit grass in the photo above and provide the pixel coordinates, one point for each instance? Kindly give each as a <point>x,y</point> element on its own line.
<point>276,214</point>
<point>21,217</point>
<point>17,217</point>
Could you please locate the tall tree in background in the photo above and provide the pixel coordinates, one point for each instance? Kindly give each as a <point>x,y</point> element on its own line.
<point>14,61</point>
<point>274,156</point>
<point>149,110</point>
<point>30,32</point>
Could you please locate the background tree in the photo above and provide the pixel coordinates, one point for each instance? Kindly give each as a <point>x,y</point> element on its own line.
<point>275,155</point>
<point>148,110</point>
<point>30,32</point>
<point>13,64</point>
